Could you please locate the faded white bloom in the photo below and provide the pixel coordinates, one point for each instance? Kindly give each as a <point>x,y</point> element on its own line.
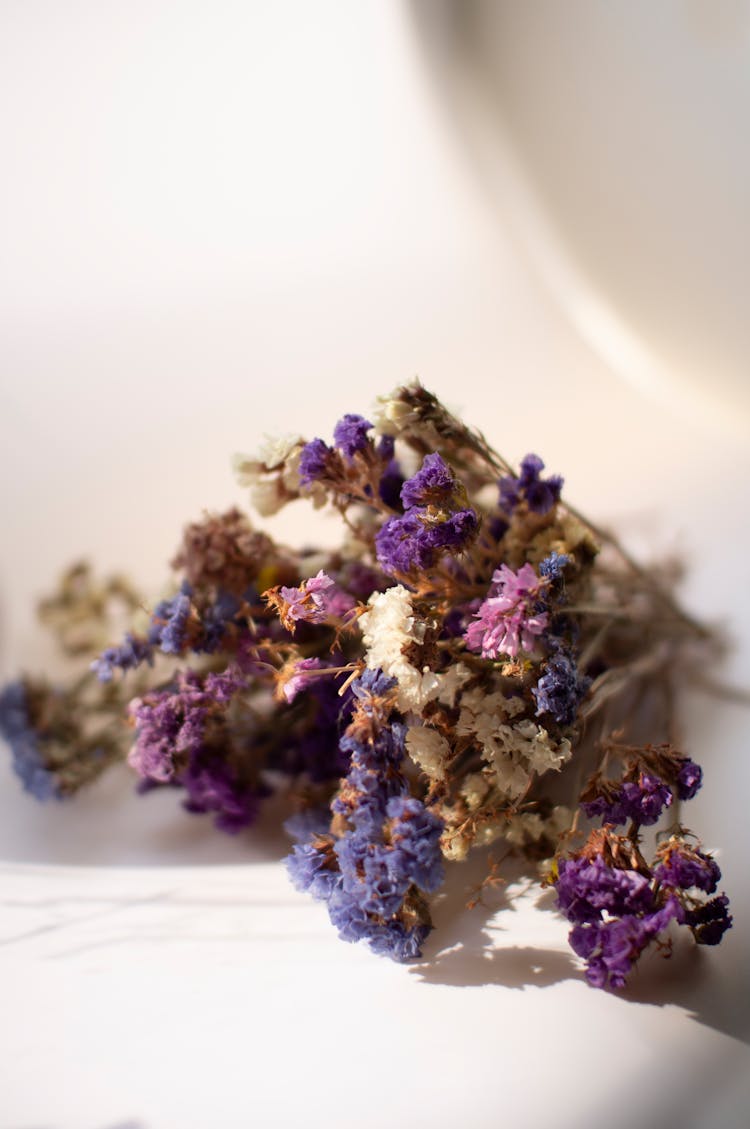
<point>273,476</point>
<point>514,749</point>
<point>391,414</point>
<point>474,790</point>
<point>387,629</point>
<point>428,749</point>
<point>527,827</point>
<point>451,681</point>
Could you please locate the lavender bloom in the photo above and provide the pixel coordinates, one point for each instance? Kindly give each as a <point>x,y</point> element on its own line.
<point>507,621</point>
<point>169,622</point>
<point>683,868</point>
<point>539,494</point>
<point>610,948</point>
<point>312,869</point>
<point>585,887</point>
<point>28,760</point>
<point>314,601</point>
<point>385,938</point>
<point>710,921</point>
<point>645,799</point>
<point>415,838</point>
<point>217,619</point>
<point>211,786</point>
<point>301,677</point>
<point>553,565</point>
<point>127,656</point>
<point>433,484</point>
<point>350,435</point>
<point>560,689</point>
<point>413,542</point>
<point>170,725</point>
<point>641,801</point>
<point>314,461</point>
<point>689,779</point>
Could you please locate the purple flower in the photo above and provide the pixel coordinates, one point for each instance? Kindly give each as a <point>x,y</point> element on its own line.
<point>507,621</point>
<point>642,801</point>
<point>29,764</point>
<point>683,868</point>
<point>414,542</point>
<point>169,622</point>
<point>689,779</point>
<point>539,494</point>
<point>312,869</point>
<point>212,786</point>
<point>386,938</point>
<point>710,921</point>
<point>414,834</point>
<point>127,656</point>
<point>350,435</point>
<point>645,799</point>
<point>553,565</point>
<point>610,948</point>
<point>314,461</point>
<point>560,689</point>
<point>433,484</point>
<point>300,679</point>
<point>315,601</point>
<point>585,887</point>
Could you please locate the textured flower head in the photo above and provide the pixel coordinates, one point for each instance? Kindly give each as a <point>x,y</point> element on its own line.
<point>508,620</point>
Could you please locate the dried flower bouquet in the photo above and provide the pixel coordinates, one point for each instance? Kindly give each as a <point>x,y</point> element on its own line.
<point>475,664</point>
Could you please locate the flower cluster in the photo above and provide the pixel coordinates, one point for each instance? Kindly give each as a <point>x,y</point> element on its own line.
<point>435,684</point>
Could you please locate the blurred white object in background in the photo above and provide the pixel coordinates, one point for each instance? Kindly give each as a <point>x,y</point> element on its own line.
<point>617,135</point>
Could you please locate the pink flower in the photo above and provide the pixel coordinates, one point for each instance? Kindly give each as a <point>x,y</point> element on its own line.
<point>507,621</point>
<point>299,677</point>
<point>315,601</point>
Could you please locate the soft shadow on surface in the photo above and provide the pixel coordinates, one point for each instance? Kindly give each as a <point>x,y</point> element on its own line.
<point>469,949</point>
<point>469,954</point>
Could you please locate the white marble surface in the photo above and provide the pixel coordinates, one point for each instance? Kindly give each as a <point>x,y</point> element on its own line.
<point>164,305</point>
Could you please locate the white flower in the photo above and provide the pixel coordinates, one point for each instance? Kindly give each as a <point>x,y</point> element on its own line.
<point>451,682</point>
<point>391,414</point>
<point>273,476</point>
<point>387,629</point>
<point>428,749</point>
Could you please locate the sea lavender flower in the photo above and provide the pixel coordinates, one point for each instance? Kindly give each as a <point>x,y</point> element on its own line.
<point>312,867</point>
<point>539,494</point>
<point>350,435</point>
<point>416,541</point>
<point>127,656</point>
<point>508,621</point>
<point>314,601</point>
<point>611,948</point>
<point>586,886</point>
<point>553,565</point>
<point>641,800</point>
<point>29,762</point>
<point>299,677</point>
<point>683,867</point>
<point>314,462</point>
<point>433,485</point>
<point>170,725</point>
<point>170,622</point>
<point>212,787</point>
<point>710,921</point>
<point>560,689</point>
<point>689,779</point>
